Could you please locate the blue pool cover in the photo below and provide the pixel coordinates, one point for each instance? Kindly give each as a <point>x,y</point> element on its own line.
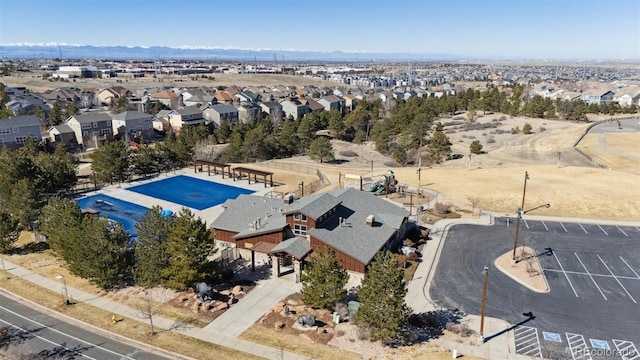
<point>124,212</point>
<point>191,192</point>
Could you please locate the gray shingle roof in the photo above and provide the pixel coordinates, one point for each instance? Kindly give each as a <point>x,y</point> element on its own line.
<point>224,109</point>
<point>63,129</point>
<point>189,110</point>
<point>243,211</point>
<point>313,206</point>
<point>90,117</point>
<point>131,115</point>
<point>298,247</point>
<point>22,120</point>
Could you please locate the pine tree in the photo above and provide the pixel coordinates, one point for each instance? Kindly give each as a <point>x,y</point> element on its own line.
<point>324,280</point>
<point>439,145</point>
<point>151,249</point>
<point>189,243</point>
<point>8,231</point>
<point>383,311</point>
<point>321,149</point>
<point>57,219</point>
<point>475,147</point>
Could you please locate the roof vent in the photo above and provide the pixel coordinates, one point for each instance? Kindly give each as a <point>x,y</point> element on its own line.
<point>259,221</point>
<point>340,221</point>
<point>289,198</point>
<point>251,226</point>
<point>370,220</point>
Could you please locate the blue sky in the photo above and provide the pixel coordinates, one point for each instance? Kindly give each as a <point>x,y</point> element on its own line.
<point>535,29</point>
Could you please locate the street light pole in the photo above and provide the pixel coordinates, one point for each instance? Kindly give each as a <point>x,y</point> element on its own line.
<point>301,186</point>
<point>519,215</point>
<point>484,303</point>
<point>419,171</point>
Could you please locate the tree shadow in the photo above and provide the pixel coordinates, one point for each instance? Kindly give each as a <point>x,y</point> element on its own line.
<point>29,248</point>
<point>431,325</point>
<point>63,352</point>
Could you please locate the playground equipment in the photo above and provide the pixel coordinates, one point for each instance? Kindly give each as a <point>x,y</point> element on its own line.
<point>386,185</point>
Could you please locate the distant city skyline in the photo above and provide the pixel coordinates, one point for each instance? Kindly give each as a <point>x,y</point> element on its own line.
<point>488,29</point>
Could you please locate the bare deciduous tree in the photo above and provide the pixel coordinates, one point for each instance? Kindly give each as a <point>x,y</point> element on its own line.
<point>474,200</point>
<point>147,309</point>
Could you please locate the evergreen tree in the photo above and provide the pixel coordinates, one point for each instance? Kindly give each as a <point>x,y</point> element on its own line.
<point>144,160</point>
<point>383,311</point>
<point>475,147</point>
<point>151,249</point>
<point>324,279</point>
<point>55,115</point>
<point>321,149</point>
<point>8,231</point>
<point>439,146</point>
<point>72,109</point>
<point>400,155</point>
<point>189,243</point>
<point>110,162</point>
<point>59,218</point>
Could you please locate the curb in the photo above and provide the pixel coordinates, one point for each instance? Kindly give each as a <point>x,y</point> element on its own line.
<point>101,331</point>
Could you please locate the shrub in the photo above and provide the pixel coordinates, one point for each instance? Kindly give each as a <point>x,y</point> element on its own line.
<point>491,140</point>
<point>441,208</point>
<point>526,129</point>
<point>542,129</point>
<point>348,153</point>
<point>515,130</point>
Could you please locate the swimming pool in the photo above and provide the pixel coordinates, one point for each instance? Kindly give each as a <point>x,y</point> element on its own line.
<point>124,212</point>
<point>191,192</point>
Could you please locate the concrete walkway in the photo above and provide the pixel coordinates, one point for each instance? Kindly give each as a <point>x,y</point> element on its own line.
<point>252,307</point>
<point>269,288</point>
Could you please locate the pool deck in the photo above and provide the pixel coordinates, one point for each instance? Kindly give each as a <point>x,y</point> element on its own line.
<point>208,215</point>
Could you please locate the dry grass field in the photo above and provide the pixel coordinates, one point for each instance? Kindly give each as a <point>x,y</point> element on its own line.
<point>617,151</point>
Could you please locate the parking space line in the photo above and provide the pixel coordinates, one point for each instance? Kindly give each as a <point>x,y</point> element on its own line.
<point>625,234</point>
<point>626,349</point>
<point>592,279</point>
<point>565,229</point>
<point>527,341</point>
<point>578,346</point>
<point>630,268</point>
<point>583,229</point>
<point>615,277</point>
<point>638,228</point>
<point>525,223</point>
<point>600,275</point>
<point>602,230</point>
<point>565,274</point>
<point>545,225</point>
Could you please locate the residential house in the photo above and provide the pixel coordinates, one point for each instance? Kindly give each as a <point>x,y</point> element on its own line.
<point>15,130</point>
<point>313,105</point>
<point>107,96</point>
<point>223,97</point>
<point>168,98</point>
<point>186,116</point>
<point>628,99</point>
<point>274,111</point>
<point>221,113</point>
<point>350,102</point>
<point>161,121</point>
<point>597,97</point>
<point>131,124</point>
<point>248,96</point>
<point>196,97</point>
<point>91,129</point>
<point>332,102</point>
<point>356,224</point>
<point>249,112</point>
<point>63,134</point>
<point>26,104</point>
<point>294,108</point>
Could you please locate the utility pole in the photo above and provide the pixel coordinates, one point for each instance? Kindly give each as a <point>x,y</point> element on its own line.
<point>484,303</point>
<point>371,168</point>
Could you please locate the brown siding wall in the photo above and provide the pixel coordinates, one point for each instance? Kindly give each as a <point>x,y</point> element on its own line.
<point>348,262</point>
<point>225,235</point>
<point>273,238</point>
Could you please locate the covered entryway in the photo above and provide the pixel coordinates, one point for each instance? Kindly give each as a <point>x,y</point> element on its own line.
<point>289,252</point>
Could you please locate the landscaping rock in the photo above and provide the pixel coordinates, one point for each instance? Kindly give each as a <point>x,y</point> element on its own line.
<point>220,307</point>
<point>291,302</point>
<point>238,290</point>
<point>225,292</point>
<point>277,307</point>
<point>278,325</point>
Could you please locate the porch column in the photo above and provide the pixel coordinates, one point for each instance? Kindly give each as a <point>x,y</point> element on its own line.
<point>275,266</point>
<point>297,269</point>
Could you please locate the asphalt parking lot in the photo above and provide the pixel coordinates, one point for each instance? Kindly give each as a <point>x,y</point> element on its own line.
<point>592,309</point>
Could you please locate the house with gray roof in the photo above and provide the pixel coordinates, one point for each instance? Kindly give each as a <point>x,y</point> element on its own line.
<point>221,113</point>
<point>356,224</point>
<point>132,124</point>
<point>63,134</point>
<point>15,130</point>
<point>186,116</point>
<point>92,129</point>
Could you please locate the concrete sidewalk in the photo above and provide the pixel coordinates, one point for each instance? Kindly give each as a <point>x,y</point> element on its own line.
<point>252,307</point>
<point>208,335</point>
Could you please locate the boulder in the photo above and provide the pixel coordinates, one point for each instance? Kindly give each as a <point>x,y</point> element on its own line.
<point>225,292</point>
<point>277,307</point>
<point>220,307</point>
<point>291,302</point>
<point>237,290</point>
<point>278,325</point>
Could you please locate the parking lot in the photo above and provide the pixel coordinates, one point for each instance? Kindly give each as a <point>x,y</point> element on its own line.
<point>592,270</point>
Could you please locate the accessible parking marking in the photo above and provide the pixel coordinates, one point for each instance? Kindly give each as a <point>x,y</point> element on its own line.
<point>599,344</point>
<point>626,349</point>
<point>615,277</point>
<point>527,341</point>
<point>549,336</point>
<point>592,279</point>
<point>578,347</point>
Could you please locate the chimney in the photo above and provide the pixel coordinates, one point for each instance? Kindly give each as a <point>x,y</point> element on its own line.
<point>340,220</point>
<point>289,198</point>
<point>370,220</point>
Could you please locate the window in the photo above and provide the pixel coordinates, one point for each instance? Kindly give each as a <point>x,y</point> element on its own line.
<point>1,141</point>
<point>95,124</point>
<point>304,217</point>
<point>109,123</point>
<point>20,139</point>
<point>86,126</point>
<point>16,129</point>
<point>296,217</point>
<point>300,229</point>
<point>105,132</point>
<point>5,131</point>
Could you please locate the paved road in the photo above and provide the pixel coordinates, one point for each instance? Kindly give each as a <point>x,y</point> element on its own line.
<point>626,125</point>
<point>592,272</point>
<point>48,337</point>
